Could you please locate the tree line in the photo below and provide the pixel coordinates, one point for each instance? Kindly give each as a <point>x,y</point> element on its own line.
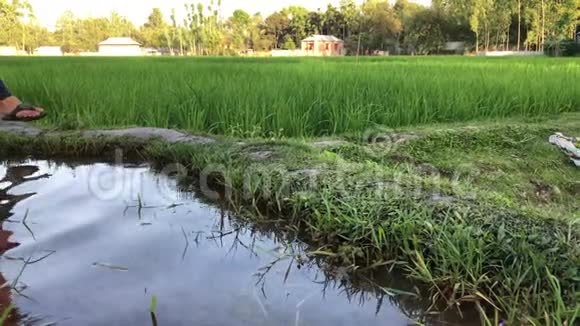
<point>375,25</point>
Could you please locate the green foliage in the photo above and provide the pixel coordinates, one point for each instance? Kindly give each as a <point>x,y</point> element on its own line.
<point>276,25</point>
<point>571,49</point>
<point>239,25</point>
<point>299,24</point>
<point>424,32</point>
<point>25,36</point>
<point>399,27</point>
<point>512,161</point>
<point>83,35</point>
<point>153,32</point>
<point>300,96</point>
<point>289,43</point>
<point>381,22</point>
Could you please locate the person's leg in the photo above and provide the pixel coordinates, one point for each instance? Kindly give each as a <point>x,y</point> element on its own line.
<point>4,91</point>
<point>8,103</point>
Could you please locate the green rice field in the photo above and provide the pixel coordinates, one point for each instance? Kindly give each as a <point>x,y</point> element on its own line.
<point>296,97</point>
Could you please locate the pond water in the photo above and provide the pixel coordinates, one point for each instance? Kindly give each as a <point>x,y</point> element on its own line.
<point>96,244</point>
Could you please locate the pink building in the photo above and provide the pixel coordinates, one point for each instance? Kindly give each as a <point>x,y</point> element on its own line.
<point>322,45</point>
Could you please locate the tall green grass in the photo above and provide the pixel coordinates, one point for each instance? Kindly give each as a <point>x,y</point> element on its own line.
<point>293,97</point>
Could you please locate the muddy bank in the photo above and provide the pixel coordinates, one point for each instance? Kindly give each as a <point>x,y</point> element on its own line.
<point>143,135</point>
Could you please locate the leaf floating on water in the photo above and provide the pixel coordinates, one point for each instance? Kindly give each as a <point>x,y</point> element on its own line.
<point>153,306</point>
<point>323,253</point>
<point>394,292</point>
<point>26,225</point>
<point>288,270</point>
<point>174,205</point>
<point>113,267</point>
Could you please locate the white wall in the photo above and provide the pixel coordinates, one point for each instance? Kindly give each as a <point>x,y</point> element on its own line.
<point>48,51</point>
<point>8,50</point>
<point>510,53</point>
<point>120,50</point>
<point>287,53</point>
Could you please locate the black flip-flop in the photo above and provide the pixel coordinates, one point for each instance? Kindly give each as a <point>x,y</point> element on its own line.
<point>13,116</point>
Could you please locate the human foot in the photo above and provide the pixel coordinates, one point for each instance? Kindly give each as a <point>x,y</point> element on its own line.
<point>12,109</point>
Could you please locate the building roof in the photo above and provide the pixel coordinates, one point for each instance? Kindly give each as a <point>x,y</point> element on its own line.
<point>119,41</point>
<point>324,38</point>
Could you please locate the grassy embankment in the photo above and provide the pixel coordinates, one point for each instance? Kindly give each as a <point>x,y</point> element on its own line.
<point>506,236</point>
<point>484,215</point>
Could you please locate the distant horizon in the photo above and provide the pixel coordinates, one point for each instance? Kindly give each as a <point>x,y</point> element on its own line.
<point>48,12</point>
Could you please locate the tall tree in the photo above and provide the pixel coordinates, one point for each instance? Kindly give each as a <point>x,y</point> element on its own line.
<point>424,32</point>
<point>277,25</point>
<point>352,17</point>
<point>239,27</point>
<point>12,16</point>
<point>406,11</point>
<point>333,22</point>
<point>120,26</point>
<point>381,23</point>
<point>154,30</point>
<point>258,36</point>
<point>299,22</point>
<point>399,25</point>
<point>67,31</point>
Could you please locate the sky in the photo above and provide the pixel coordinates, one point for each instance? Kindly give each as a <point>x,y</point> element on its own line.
<point>48,11</point>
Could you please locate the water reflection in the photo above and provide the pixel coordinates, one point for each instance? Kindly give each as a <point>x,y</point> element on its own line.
<point>14,176</point>
<point>89,258</point>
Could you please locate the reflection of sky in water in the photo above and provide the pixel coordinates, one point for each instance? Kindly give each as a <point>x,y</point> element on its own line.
<point>90,214</point>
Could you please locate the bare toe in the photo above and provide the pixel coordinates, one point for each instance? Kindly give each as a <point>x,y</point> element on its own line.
<point>32,113</point>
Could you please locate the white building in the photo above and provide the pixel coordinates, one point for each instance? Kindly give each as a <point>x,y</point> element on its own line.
<point>8,50</point>
<point>120,46</point>
<point>49,51</point>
